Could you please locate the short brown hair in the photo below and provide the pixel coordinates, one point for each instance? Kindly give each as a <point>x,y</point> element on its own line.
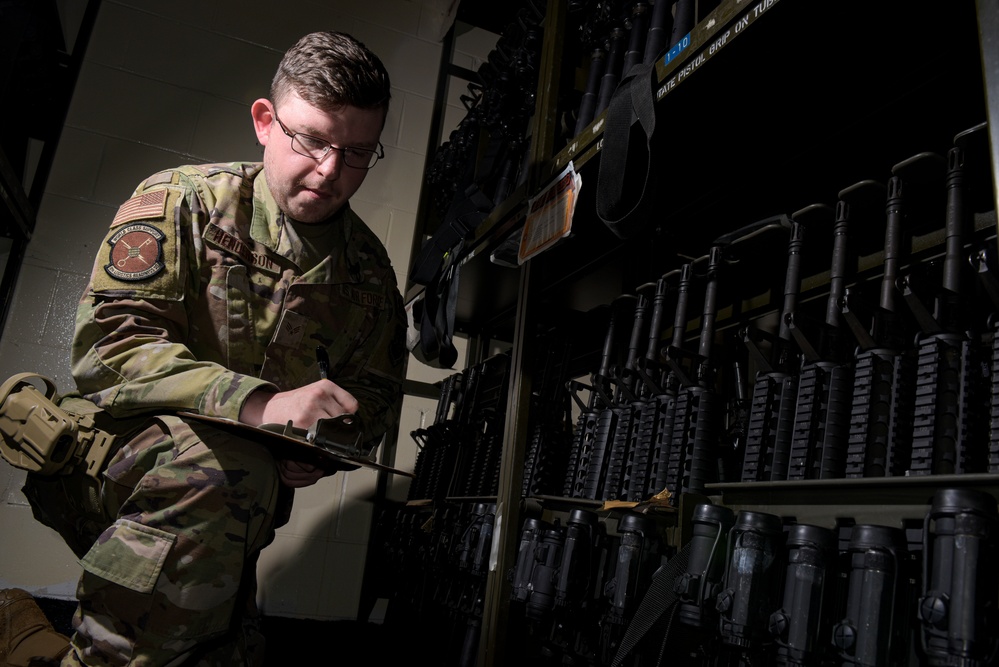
<point>330,70</point>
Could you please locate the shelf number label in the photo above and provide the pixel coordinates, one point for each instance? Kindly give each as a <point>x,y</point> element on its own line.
<point>677,49</point>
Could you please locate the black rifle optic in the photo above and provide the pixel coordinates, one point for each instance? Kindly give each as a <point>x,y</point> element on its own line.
<point>874,629</point>
<point>575,617</point>
<point>749,591</point>
<point>698,587</point>
<point>579,568</point>
<point>520,575</point>
<point>547,559</point>
<point>801,627</point>
<point>473,564</point>
<point>638,557</point>
<point>959,606</point>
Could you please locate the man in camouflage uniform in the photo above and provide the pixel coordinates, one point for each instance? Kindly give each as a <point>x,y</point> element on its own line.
<point>211,293</point>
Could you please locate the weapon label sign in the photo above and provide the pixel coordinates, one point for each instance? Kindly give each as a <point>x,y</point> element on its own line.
<point>136,253</point>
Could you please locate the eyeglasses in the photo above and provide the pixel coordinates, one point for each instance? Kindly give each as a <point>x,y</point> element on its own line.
<point>317,149</point>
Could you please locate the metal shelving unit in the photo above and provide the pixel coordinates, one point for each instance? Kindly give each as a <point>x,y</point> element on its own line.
<point>745,135</point>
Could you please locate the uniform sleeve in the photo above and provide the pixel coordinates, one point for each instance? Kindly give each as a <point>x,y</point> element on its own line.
<point>375,374</point>
<point>130,352</point>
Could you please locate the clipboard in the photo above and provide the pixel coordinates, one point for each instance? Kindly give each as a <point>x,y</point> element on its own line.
<point>327,444</point>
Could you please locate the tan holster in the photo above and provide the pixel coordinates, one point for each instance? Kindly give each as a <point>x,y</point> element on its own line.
<point>39,434</point>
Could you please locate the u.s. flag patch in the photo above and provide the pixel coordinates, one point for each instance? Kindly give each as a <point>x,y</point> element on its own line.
<point>136,253</point>
<point>149,205</point>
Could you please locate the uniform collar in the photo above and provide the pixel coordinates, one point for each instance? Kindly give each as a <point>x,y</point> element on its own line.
<point>268,228</point>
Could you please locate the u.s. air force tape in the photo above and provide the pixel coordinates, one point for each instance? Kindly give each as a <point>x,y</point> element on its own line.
<point>136,253</point>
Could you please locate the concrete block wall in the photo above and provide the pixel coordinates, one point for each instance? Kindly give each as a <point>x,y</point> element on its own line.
<point>171,83</point>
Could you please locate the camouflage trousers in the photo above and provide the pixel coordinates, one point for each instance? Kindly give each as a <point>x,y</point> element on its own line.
<point>169,544</point>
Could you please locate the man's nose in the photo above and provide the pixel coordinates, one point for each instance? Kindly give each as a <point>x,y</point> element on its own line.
<point>330,164</point>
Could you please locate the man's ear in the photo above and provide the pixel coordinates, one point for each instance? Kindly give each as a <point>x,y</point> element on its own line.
<point>262,112</point>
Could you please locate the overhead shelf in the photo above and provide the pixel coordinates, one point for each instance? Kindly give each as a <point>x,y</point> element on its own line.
<point>754,118</point>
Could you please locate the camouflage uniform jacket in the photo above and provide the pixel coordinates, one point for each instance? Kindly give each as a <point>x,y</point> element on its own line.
<point>196,300</point>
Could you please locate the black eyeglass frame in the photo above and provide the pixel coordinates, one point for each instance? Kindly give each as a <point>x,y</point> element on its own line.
<point>377,154</point>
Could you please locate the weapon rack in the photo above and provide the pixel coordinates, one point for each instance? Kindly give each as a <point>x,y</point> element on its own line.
<point>798,103</point>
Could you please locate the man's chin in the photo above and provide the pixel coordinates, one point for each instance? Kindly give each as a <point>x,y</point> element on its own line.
<point>312,214</point>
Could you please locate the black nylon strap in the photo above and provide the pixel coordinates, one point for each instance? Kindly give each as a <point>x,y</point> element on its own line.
<point>659,599</point>
<point>463,216</point>
<point>620,195</point>
<point>437,320</point>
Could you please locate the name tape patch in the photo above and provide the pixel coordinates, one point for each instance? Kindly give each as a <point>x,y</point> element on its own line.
<point>223,240</point>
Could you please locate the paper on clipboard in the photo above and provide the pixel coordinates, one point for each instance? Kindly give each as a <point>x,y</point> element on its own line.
<point>549,216</point>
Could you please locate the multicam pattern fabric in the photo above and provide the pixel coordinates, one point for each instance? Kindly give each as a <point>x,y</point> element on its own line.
<point>164,583</point>
<point>185,509</point>
<point>232,311</point>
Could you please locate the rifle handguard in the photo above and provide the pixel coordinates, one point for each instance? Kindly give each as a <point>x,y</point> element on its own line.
<point>40,437</point>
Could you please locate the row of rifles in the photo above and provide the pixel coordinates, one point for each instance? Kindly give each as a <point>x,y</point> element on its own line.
<point>902,386</point>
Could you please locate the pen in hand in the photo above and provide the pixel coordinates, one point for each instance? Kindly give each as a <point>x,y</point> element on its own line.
<point>323,359</point>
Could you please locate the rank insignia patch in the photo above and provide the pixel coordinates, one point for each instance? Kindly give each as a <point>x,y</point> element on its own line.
<point>136,253</point>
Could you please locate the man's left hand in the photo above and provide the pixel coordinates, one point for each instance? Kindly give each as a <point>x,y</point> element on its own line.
<point>297,475</point>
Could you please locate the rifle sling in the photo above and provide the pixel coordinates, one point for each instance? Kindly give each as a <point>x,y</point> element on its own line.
<point>620,196</point>
<point>659,599</point>
<point>437,320</point>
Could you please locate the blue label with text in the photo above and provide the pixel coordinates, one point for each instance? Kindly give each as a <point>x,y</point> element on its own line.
<point>677,49</point>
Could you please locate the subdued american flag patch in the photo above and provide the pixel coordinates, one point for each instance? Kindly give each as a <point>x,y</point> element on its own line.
<point>142,207</point>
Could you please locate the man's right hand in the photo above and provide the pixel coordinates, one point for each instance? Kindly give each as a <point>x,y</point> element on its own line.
<point>303,406</point>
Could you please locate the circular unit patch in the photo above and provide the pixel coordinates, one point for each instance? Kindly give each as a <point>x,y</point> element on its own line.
<point>136,253</point>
